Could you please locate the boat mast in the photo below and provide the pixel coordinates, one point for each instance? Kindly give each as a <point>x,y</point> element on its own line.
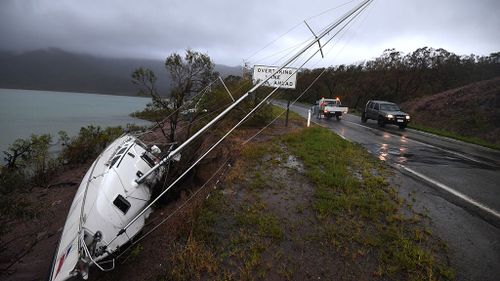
<point>176,151</point>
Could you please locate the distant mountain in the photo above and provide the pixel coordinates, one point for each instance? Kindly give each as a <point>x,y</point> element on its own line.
<point>58,70</point>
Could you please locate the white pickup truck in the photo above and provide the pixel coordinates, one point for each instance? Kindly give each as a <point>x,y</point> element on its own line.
<point>328,108</point>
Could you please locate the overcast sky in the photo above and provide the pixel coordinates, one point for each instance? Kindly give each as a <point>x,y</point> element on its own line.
<point>230,31</point>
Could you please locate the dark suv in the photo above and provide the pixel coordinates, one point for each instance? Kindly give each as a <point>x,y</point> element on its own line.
<point>385,113</point>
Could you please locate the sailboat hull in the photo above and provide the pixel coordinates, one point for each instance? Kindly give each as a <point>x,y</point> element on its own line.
<point>107,199</point>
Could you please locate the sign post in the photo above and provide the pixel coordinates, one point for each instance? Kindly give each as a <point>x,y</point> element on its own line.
<point>287,110</point>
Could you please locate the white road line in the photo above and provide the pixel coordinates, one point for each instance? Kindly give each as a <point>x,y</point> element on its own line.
<point>421,143</point>
<point>428,145</point>
<point>434,182</point>
<point>452,140</point>
<point>452,191</point>
<point>326,127</point>
<point>448,151</point>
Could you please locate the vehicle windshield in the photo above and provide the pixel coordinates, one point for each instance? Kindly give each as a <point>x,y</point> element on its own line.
<point>389,107</point>
<point>331,103</point>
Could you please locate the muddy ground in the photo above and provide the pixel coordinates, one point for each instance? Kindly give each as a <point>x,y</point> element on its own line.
<point>258,219</point>
<point>28,246</point>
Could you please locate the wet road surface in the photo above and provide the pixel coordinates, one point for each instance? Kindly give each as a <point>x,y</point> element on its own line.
<point>457,184</point>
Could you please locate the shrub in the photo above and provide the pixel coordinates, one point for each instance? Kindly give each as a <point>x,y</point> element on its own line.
<point>90,141</point>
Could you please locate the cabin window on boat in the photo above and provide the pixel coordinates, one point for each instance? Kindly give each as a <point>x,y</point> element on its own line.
<point>148,157</point>
<point>114,161</point>
<point>122,204</point>
<point>122,150</point>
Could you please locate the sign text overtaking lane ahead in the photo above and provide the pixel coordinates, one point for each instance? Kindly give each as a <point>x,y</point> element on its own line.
<point>280,79</point>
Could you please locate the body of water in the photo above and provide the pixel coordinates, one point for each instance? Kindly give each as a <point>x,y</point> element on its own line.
<point>26,112</point>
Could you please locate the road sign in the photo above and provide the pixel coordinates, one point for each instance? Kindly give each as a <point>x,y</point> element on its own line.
<point>286,78</point>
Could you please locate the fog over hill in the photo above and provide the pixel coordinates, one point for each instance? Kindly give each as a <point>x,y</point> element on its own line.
<point>58,70</point>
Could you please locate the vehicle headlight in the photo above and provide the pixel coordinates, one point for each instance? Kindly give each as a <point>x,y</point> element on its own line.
<point>389,116</point>
<point>407,117</point>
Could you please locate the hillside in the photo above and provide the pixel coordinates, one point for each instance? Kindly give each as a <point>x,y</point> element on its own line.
<point>472,110</point>
<point>58,70</point>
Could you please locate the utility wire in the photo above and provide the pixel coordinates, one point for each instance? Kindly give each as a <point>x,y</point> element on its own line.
<point>310,85</point>
<point>244,143</point>
<point>160,123</point>
<point>294,27</point>
<point>329,10</point>
<point>176,210</point>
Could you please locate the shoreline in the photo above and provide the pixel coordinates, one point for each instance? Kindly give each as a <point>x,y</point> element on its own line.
<point>80,92</point>
<point>28,112</point>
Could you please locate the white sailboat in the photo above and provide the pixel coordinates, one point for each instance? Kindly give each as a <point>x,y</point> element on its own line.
<point>114,198</point>
<point>108,199</point>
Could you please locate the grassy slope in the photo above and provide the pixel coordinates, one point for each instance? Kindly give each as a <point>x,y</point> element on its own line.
<point>361,212</point>
<point>357,227</point>
<point>454,135</point>
<point>470,113</point>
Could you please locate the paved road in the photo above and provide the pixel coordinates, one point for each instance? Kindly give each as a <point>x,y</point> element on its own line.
<point>457,184</point>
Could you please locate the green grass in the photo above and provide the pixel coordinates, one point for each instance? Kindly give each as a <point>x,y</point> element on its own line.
<point>454,135</point>
<point>255,215</point>
<point>292,115</point>
<point>226,243</point>
<point>447,133</point>
<point>255,152</point>
<point>356,215</point>
<point>360,211</point>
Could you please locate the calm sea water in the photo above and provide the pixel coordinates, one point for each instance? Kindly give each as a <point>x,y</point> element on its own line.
<point>26,112</point>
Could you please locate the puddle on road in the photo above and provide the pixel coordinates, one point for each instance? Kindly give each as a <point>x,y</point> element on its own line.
<point>422,155</point>
<point>385,152</point>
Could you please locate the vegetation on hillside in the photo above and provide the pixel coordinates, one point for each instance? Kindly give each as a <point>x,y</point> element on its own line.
<point>54,69</point>
<point>470,113</point>
<point>31,162</point>
<point>398,77</point>
<point>189,74</point>
<point>196,95</point>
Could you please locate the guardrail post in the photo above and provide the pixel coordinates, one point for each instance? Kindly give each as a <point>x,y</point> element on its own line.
<point>308,117</point>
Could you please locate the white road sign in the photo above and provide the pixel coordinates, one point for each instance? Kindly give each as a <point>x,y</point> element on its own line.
<point>286,78</point>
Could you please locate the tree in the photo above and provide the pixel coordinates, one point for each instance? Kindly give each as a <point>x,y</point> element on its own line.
<point>29,159</point>
<point>189,74</point>
<point>145,78</point>
<point>17,153</point>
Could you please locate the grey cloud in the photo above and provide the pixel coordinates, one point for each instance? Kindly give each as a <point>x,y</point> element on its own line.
<point>232,30</point>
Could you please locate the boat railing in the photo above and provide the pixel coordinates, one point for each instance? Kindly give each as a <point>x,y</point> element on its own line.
<point>89,255</point>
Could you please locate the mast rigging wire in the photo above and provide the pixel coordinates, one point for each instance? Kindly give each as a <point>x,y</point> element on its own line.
<point>332,26</point>
<point>244,143</point>
<point>178,208</point>
<point>294,27</point>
